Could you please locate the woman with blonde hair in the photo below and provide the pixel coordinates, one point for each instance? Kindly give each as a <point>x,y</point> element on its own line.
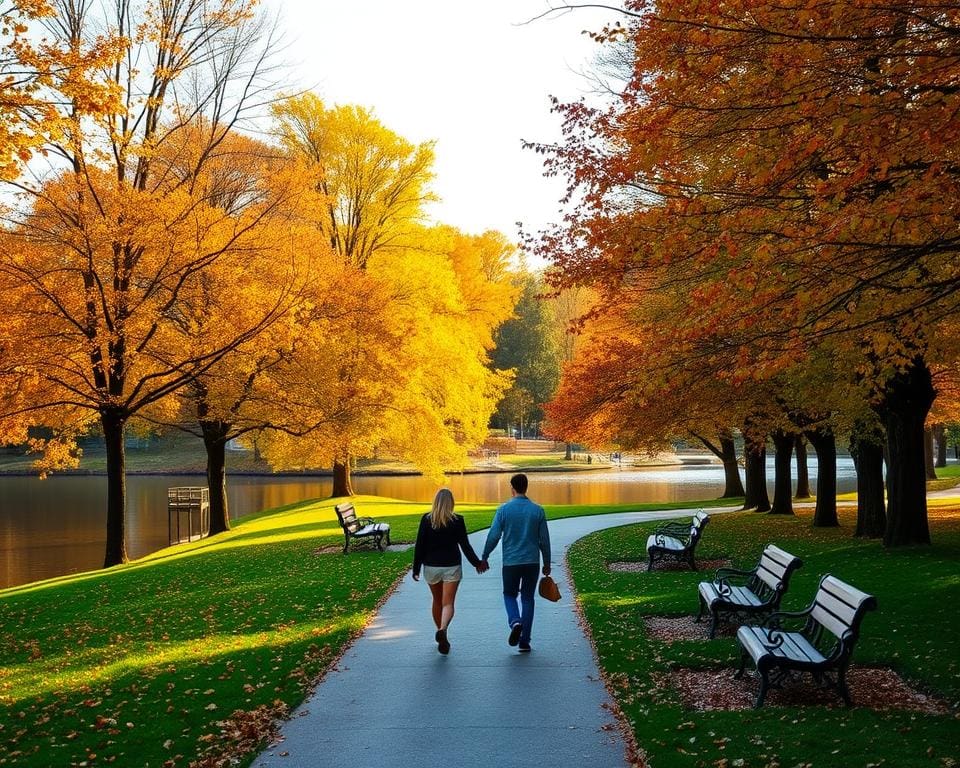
<point>441,536</point>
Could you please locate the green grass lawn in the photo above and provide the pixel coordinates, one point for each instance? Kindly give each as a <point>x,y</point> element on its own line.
<point>916,631</point>
<point>197,647</point>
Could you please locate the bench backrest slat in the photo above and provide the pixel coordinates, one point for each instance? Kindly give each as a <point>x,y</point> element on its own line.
<point>347,516</point>
<point>697,525</point>
<point>775,566</point>
<point>838,606</point>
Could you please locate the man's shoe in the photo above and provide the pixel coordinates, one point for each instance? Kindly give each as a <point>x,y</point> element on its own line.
<point>524,648</point>
<point>443,645</point>
<point>515,630</point>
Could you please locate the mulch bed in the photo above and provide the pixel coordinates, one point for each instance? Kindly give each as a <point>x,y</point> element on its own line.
<point>640,566</point>
<point>669,629</point>
<point>876,688</point>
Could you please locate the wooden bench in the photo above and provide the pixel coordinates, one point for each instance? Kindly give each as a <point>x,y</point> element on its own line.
<point>677,540</point>
<point>758,594</point>
<point>363,528</point>
<point>822,646</point>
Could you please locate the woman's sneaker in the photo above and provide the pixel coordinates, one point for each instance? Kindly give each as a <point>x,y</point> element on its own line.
<point>443,645</point>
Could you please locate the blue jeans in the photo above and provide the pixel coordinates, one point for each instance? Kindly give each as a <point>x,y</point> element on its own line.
<point>522,580</point>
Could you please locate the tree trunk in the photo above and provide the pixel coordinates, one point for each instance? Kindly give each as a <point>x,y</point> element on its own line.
<point>114,423</point>
<point>928,454</point>
<point>342,486</point>
<point>755,456</point>
<point>824,442</point>
<point>940,438</point>
<point>568,456</point>
<point>782,483</point>
<point>803,472</point>
<point>732,484</point>
<point>726,451</point>
<point>906,402</point>
<point>215,441</point>
<point>867,451</point>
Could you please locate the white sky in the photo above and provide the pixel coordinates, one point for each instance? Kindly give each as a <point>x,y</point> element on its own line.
<point>470,75</point>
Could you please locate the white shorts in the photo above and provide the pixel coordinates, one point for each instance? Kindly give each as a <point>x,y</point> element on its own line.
<point>434,574</point>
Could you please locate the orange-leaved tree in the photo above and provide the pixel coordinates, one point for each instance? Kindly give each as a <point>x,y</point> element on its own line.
<point>104,250</point>
<point>795,180</point>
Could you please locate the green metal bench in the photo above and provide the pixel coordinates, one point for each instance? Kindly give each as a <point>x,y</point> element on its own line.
<point>364,529</point>
<point>677,541</point>
<point>822,646</point>
<point>758,592</point>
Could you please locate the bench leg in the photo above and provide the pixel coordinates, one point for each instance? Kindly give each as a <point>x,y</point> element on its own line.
<point>715,619</point>
<point>379,541</point>
<point>650,562</point>
<point>700,608</point>
<point>764,685</point>
<point>743,663</point>
<point>842,686</point>
<point>346,544</point>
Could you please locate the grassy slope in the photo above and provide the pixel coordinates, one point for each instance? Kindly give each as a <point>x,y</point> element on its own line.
<point>136,665</point>
<point>916,631</point>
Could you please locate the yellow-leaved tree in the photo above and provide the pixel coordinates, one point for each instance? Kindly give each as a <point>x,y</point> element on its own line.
<point>416,380</point>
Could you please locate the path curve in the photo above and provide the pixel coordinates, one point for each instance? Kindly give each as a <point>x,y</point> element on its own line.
<point>392,700</point>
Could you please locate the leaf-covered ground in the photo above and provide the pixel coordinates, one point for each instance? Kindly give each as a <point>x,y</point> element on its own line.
<point>190,655</point>
<point>916,632</point>
<point>140,664</point>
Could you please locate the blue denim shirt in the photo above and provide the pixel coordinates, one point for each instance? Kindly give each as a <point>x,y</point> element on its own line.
<point>523,526</point>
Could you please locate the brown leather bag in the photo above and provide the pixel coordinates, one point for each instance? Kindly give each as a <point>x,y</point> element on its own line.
<point>549,589</point>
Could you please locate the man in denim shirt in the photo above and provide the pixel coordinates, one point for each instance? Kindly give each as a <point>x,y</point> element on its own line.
<point>523,526</point>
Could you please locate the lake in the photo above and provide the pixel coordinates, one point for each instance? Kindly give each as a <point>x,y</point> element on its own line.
<point>56,526</point>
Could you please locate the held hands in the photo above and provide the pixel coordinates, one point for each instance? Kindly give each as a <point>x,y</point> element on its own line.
<point>483,567</point>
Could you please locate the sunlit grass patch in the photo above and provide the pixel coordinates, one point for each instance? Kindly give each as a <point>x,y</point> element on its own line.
<point>137,664</point>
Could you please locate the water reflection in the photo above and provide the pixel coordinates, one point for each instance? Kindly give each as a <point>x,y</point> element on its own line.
<point>56,526</point>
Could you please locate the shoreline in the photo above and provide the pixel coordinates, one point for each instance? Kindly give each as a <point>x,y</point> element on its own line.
<point>573,467</point>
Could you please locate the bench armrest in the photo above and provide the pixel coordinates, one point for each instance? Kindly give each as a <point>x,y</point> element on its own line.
<point>366,521</point>
<point>723,576</point>
<point>774,629</point>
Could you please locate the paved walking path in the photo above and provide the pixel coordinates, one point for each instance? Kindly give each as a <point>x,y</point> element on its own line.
<point>394,701</point>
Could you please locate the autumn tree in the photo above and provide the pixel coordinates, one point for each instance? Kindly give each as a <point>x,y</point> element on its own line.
<point>103,251</point>
<point>625,387</point>
<point>411,376</point>
<point>372,186</point>
<point>527,345</point>
<point>36,72</point>
<point>569,309</point>
<point>794,181</point>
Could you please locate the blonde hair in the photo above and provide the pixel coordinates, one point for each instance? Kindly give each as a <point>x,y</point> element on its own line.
<point>442,511</point>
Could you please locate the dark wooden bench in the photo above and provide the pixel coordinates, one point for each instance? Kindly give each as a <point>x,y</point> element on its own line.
<point>748,594</point>
<point>677,540</point>
<point>822,646</point>
<point>364,529</point>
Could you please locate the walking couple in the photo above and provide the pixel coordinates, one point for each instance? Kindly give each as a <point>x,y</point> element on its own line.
<point>520,523</point>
